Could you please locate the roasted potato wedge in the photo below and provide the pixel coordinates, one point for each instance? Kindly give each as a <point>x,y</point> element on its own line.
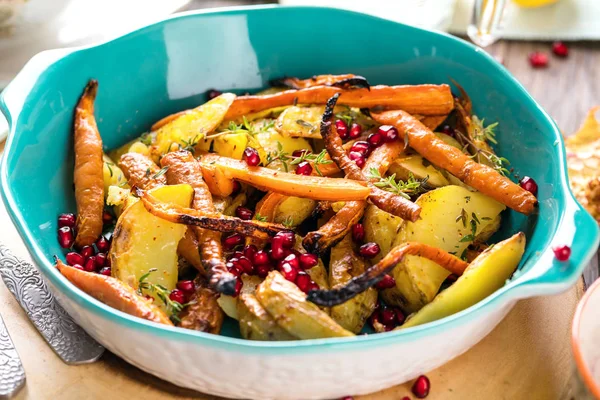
<point>420,168</point>
<point>486,274</point>
<point>142,241</point>
<point>229,304</point>
<point>380,227</point>
<point>231,145</point>
<point>256,323</point>
<point>449,215</point>
<point>343,266</point>
<point>294,210</point>
<point>288,306</point>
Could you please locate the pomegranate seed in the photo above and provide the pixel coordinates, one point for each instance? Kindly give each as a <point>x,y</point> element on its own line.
<point>177,295</point>
<point>358,158</point>
<point>263,270</point>
<point>186,286</point>
<point>387,316</point>
<point>369,250</point>
<point>90,264</point>
<point>347,398</point>
<point>236,188</point>
<point>277,252</point>
<point>355,131</point>
<point>314,286</point>
<point>244,213</point>
<point>212,93</point>
<point>65,237</point>
<point>293,260</point>
<point>251,156</point>
<point>74,258</point>
<point>79,267</point>
<point>100,260</point>
<point>233,269</point>
<point>308,260</point>
<point>87,251</point>
<point>361,147</point>
<point>250,251</point>
<point>448,130</point>
<point>102,244</point>
<point>67,219</point>
<point>261,258</point>
<point>245,265</point>
<point>387,282</point>
<point>400,317</point>
<point>237,254</point>
<point>233,240</point>
<point>538,59</point>
<point>300,153</point>
<point>421,387</point>
<point>303,281</point>
<point>107,217</point>
<point>375,139</point>
<point>106,271</point>
<point>288,238</point>
<point>304,168</point>
<point>288,272</point>
<point>341,128</point>
<point>238,287</point>
<point>560,49</point>
<point>529,184</point>
<point>562,253</point>
<point>406,398</point>
<point>388,132</point>
<point>358,232</point>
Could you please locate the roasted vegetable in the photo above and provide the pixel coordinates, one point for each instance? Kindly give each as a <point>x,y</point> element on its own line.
<point>345,265</point>
<point>342,81</point>
<point>88,175</point>
<point>113,293</point>
<point>139,145</point>
<point>381,228</point>
<point>142,241</point>
<point>113,176</point>
<point>256,323</point>
<point>185,131</point>
<point>229,303</point>
<point>482,177</point>
<point>451,219</point>
<point>420,168</point>
<point>141,171</point>
<point>486,274</point>
<point>202,312</point>
<point>288,306</point>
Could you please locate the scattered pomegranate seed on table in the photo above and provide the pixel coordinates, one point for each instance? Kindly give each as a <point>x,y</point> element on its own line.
<point>358,232</point>
<point>388,132</point>
<point>529,184</point>
<point>66,238</point>
<point>387,282</point>
<point>212,93</point>
<point>244,213</point>
<point>308,260</point>
<point>421,387</point>
<point>538,59</point>
<point>341,128</point>
<point>67,219</point>
<point>375,139</point>
<point>560,49</point>
<point>562,252</point>
<point>355,131</point>
<point>251,156</point>
<point>369,250</point>
<point>304,168</point>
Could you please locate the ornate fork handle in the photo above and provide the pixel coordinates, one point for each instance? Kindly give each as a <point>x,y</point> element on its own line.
<point>12,374</point>
<point>71,343</point>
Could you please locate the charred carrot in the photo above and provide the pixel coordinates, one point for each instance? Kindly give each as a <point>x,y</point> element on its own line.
<point>141,171</point>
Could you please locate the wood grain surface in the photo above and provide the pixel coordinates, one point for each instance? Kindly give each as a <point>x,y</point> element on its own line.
<point>526,357</point>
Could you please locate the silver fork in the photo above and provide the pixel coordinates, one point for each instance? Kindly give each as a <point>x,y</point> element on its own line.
<point>12,374</point>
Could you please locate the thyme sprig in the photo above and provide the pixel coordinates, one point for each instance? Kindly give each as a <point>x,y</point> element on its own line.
<point>484,133</point>
<point>173,307</point>
<point>410,187</point>
<point>288,222</point>
<point>473,223</point>
<point>260,218</point>
<point>498,163</point>
<point>286,159</point>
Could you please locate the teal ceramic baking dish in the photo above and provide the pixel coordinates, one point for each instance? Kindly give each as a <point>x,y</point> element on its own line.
<point>168,66</point>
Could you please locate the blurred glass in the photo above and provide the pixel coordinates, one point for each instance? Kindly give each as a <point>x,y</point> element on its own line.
<point>484,27</point>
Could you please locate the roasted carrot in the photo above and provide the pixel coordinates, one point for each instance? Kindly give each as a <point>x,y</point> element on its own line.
<point>481,177</point>
<point>387,201</point>
<point>141,171</point>
<point>267,206</point>
<point>215,222</point>
<point>113,293</point>
<point>433,121</point>
<point>182,167</point>
<point>340,224</point>
<point>219,184</point>
<point>311,187</point>
<point>87,175</point>
<point>203,313</point>
<point>419,99</point>
<point>370,277</point>
<point>188,249</point>
<point>341,81</point>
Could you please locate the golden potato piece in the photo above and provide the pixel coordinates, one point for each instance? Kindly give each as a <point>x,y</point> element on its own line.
<point>256,323</point>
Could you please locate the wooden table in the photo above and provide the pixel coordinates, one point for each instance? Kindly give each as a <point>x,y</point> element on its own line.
<point>526,357</point>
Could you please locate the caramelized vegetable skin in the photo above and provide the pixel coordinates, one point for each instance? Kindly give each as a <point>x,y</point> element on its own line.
<point>203,312</point>
<point>141,171</point>
<point>390,202</point>
<point>483,178</point>
<point>88,173</point>
<point>182,167</point>
<point>374,274</point>
<point>113,293</point>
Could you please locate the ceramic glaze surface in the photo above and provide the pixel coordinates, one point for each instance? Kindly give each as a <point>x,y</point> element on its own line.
<point>169,66</point>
